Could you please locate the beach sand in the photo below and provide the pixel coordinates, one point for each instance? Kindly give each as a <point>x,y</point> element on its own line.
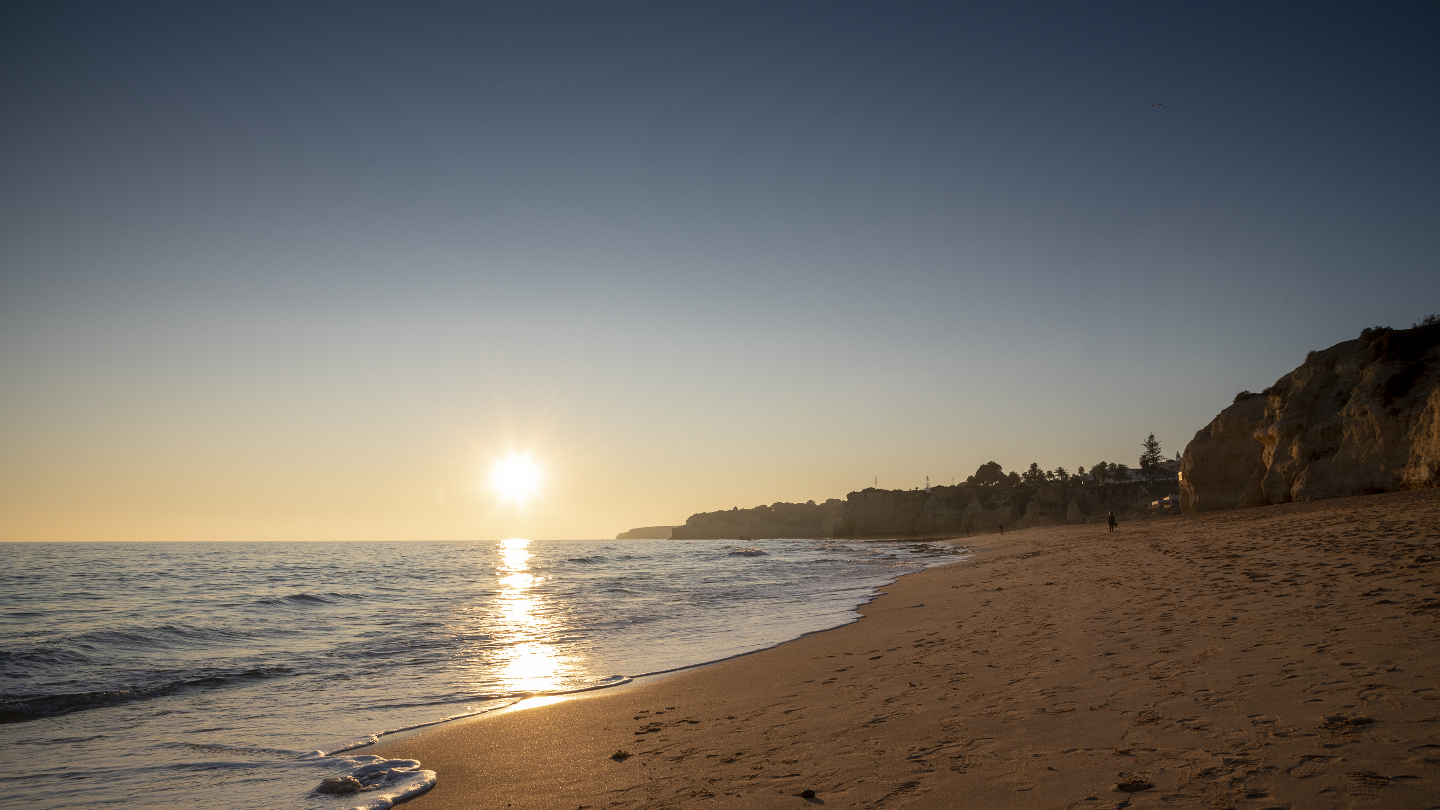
<point>1284,656</point>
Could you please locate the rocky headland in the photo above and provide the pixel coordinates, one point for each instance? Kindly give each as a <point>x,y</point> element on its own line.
<point>949,511</point>
<point>1360,417</point>
<point>646,533</point>
<point>779,520</point>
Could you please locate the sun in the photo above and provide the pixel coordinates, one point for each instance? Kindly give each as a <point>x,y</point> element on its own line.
<point>515,478</point>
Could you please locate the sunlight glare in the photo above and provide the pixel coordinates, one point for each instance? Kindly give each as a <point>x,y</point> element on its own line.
<point>515,478</point>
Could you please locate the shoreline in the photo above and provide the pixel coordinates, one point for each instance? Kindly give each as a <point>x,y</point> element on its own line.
<point>1280,656</point>
<point>539,699</point>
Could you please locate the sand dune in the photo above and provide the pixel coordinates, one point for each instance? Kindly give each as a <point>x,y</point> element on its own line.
<point>1285,656</point>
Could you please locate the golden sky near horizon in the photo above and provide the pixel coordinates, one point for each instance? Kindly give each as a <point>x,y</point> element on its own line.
<point>272,277</point>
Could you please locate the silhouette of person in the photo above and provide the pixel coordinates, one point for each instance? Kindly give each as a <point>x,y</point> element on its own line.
<point>1002,528</point>
<point>1113,522</point>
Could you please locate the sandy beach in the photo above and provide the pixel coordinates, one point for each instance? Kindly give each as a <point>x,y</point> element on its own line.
<point>1285,656</point>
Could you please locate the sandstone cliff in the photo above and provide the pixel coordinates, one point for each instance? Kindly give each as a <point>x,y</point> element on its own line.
<point>1224,464</point>
<point>1360,417</point>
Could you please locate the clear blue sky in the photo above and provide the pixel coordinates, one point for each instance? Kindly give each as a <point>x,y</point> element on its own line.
<point>301,270</point>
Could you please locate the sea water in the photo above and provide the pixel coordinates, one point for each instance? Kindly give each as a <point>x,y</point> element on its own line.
<point>243,675</point>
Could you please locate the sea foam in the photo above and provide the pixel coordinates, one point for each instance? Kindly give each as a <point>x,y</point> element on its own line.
<point>378,784</point>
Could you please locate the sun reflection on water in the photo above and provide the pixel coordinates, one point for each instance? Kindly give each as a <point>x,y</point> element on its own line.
<point>531,662</point>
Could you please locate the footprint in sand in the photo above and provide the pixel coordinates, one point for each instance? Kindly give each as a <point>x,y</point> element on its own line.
<point>1428,754</point>
<point>1365,784</point>
<point>1310,766</point>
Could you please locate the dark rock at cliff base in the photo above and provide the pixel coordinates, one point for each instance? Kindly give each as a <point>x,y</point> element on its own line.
<point>1360,417</point>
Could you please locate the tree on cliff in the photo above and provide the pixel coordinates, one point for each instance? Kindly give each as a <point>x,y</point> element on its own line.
<point>1013,479</point>
<point>1100,472</point>
<point>1063,476</point>
<point>1119,472</point>
<point>1151,458</point>
<point>1034,475</point>
<point>989,474</point>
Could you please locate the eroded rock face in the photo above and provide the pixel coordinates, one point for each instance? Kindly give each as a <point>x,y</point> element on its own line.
<point>1223,464</point>
<point>1360,417</point>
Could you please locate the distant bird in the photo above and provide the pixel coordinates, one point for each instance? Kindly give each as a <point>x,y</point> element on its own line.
<point>1157,105</point>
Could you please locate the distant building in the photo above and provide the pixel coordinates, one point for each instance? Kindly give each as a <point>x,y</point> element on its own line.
<point>1168,470</point>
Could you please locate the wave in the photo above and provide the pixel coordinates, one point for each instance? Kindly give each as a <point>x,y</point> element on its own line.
<point>250,750</point>
<point>35,707</point>
<point>739,551</point>
<point>42,656</point>
<point>442,700</point>
<point>150,637</point>
<point>99,647</point>
<point>252,776</point>
<point>301,599</point>
<point>378,783</point>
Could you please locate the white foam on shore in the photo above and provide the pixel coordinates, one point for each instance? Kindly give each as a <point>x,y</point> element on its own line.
<point>379,784</point>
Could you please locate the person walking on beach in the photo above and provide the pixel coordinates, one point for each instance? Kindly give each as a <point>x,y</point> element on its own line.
<point>1113,522</point>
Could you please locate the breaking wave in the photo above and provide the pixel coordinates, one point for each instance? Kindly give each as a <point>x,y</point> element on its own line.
<point>25,708</point>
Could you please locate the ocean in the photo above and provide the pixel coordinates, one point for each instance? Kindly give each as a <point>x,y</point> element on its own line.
<point>243,675</point>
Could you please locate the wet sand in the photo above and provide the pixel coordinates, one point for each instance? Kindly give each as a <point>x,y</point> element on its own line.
<point>1286,656</point>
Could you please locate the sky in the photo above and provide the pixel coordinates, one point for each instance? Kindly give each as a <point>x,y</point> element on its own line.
<point>304,271</point>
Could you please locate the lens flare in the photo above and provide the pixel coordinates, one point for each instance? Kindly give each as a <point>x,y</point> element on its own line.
<point>515,478</point>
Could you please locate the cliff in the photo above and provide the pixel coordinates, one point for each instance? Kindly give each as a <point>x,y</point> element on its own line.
<point>779,520</point>
<point>1224,464</point>
<point>646,533</point>
<point>1360,417</point>
<point>950,511</point>
<point>977,509</point>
